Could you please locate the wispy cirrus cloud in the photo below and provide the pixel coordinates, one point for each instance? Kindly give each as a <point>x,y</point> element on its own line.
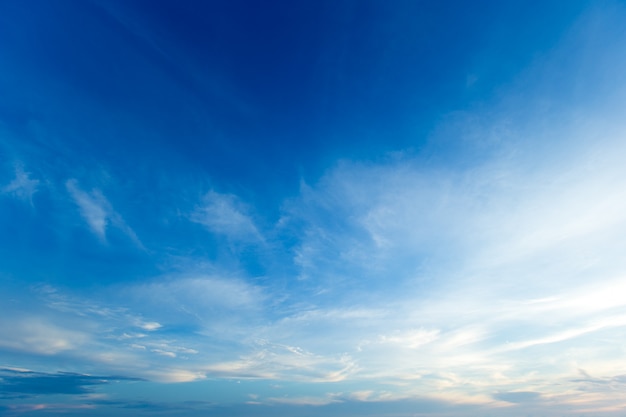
<point>94,208</point>
<point>446,319</point>
<point>273,361</point>
<point>227,215</point>
<point>22,186</point>
<point>108,337</point>
<point>419,282</point>
<point>98,212</point>
<point>509,260</point>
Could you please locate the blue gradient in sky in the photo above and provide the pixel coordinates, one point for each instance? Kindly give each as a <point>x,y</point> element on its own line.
<point>343,208</point>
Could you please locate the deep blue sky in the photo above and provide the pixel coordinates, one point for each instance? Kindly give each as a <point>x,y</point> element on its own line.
<point>312,208</point>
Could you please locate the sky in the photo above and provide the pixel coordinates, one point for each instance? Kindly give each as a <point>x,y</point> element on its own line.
<point>312,208</point>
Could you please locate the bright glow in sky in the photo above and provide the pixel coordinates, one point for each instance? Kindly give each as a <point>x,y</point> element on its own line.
<point>337,208</point>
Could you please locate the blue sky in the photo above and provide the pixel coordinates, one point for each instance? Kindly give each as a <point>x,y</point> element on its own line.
<point>342,208</point>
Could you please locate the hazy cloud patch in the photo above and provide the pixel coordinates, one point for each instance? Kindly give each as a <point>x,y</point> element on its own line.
<point>22,186</point>
<point>227,215</point>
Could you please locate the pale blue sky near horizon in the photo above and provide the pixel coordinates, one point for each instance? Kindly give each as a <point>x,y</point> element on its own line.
<point>342,208</point>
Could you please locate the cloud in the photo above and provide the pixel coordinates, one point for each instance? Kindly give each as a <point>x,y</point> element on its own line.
<point>93,309</point>
<point>17,409</point>
<point>207,298</point>
<point>38,383</point>
<point>22,186</point>
<point>165,374</point>
<point>225,214</point>
<point>477,269</point>
<point>150,326</point>
<point>284,362</point>
<point>446,274</point>
<point>215,315</point>
<point>164,353</point>
<point>410,339</point>
<point>314,401</point>
<point>87,333</point>
<point>98,212</point>
<point>39,335</point>
<point>518,397</point>
<point>93,207</point>
<point>440,279</point>
<point>339,404</point>
<point>431,280</point>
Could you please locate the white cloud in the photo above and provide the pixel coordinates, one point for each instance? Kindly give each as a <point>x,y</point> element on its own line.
<point>220,311</point>
<point>22,186</point>
<point>449,288</point>
<point>93,207</point>
<point>230,293</point>
<point>411,339</point>
<point>275,361</point>
<point>164,374</point>
<point>201,295</point>
<point>150,326</point>
<point>501,274</point>
<point>38,335</point>
<point>164,353</point>
<point>98,212</point>
<point>225,214</point>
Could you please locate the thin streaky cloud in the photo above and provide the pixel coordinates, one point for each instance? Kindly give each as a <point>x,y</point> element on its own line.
<point>98,212</point>
<point>94,208</point>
